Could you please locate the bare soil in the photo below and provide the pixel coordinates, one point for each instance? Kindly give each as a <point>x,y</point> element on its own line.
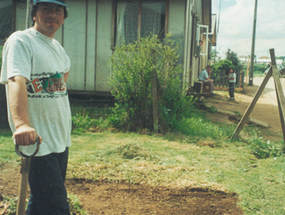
<point>265,110</point>
<point>102,197</point>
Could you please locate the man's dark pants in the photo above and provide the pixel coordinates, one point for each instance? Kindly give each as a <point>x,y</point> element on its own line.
<point>46,179</point>
<point>232,89</point>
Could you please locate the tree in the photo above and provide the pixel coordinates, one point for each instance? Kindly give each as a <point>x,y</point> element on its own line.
<point>214,56</point>
<point>223,65</point>
<point>232,56</point>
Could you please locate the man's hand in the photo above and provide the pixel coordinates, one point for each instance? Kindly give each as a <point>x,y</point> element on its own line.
<point>25,135</point>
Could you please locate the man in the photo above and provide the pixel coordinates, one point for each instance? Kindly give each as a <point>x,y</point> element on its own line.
<point>232,80</point>
<point>198,48</point>
<point>35,68</point>
<point>204,76</point>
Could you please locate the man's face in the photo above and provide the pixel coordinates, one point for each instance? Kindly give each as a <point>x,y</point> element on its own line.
<point>208,70</point>
<point>49,18</point>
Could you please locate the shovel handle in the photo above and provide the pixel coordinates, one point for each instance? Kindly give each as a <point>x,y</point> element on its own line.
<point>23,155</point>
<point>23,186</point>
<point>25,168</point>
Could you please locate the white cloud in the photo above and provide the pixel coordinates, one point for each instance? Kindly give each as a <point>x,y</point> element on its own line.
<point>236,26</point>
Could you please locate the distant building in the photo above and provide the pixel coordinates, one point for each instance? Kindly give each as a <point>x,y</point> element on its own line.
<point>264,57</point>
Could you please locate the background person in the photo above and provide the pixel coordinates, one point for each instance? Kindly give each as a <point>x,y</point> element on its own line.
<point>204,76</point>
<point>232,81</point>
<point>35,69</point>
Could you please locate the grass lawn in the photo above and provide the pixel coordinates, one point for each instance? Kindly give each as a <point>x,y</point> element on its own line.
<point>156,160</point>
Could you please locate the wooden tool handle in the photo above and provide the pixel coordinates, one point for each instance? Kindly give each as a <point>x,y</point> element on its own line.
<point>23,188</point>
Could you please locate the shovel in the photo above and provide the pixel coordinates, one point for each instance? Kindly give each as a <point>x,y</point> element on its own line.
<point>25,169</point>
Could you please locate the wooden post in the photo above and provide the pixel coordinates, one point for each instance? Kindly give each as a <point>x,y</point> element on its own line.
<point>154,102</point>
<point>224,79</point>
<point>154,96</point>
<point>240,77</point>
<point>247,70</point>
<point>279,92</point>
<point>252,104</point>
<point>281,117</point>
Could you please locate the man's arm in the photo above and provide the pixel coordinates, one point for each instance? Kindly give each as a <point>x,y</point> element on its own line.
<point>66,76</point>
<point>209,76</point>
<point>18,103</point>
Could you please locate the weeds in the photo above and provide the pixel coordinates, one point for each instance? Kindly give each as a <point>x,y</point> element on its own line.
<point>264,148</point>
<point>212,109</point>
<point>10,205</point>
<point>75,205</point>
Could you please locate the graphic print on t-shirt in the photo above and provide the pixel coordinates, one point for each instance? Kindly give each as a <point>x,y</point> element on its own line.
<point>51,85</point>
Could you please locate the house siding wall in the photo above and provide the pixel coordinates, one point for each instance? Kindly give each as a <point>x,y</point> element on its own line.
<point>74,43</point>
<point>104,44</point>
<point>86,37</point>
<point>176,25</point>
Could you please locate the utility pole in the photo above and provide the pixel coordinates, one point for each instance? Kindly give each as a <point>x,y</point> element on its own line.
<point>250,83</point>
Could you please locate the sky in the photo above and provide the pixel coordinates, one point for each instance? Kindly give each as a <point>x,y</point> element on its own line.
<point>236,26</point>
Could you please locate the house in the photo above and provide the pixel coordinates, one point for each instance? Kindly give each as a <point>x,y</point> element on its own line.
<point>94,28</point>
<point>5,18</point>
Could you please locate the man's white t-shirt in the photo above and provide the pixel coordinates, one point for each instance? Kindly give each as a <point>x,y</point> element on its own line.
<point>43,62</point>
<point>232,75</point>
<point>203,76</point>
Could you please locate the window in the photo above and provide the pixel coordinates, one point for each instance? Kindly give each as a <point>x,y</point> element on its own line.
<point>137,19</point>
<point>202,34</point>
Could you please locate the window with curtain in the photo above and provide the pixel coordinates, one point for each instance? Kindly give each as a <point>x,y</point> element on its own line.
<point>137,19</point>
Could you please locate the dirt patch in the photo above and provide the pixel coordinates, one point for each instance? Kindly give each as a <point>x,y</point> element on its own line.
<point>123,198</point>
<point>265,110</point>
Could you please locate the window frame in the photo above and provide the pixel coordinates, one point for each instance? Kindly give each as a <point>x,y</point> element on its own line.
<point>114,19</point>
<point>200,37</point>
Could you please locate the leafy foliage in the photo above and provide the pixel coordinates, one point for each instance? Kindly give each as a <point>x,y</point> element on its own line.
<point>231,61</point>
<point>134,67</point>
<point>259,68</point>
<point>223,65</point>
<point>264,149</point>
<point>232,56</point>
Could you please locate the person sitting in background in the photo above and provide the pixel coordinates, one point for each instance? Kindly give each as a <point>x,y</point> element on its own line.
<point>204,76</point>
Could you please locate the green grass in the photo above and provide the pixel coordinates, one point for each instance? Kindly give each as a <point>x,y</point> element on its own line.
<point>154,160</point>
<point>190,157</point>
<point>7,149</point>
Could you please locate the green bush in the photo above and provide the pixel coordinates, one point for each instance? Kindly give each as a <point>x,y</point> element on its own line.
<point>259,68</point>
<point>264,149</point>
<point>133,68</point>
<point>223,65</point>
<point>82,122</point>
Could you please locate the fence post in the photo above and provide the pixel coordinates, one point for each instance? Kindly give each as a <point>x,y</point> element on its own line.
<point>238,79</point>
<point>154,102</point>
<point>154,96</point>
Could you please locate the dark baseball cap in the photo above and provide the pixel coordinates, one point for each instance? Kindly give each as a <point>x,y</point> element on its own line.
<point>60,2</point>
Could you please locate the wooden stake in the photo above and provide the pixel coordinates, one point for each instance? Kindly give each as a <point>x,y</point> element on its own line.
<point>279,92</point>
<point>252,104</point>
<point>154,102</point>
